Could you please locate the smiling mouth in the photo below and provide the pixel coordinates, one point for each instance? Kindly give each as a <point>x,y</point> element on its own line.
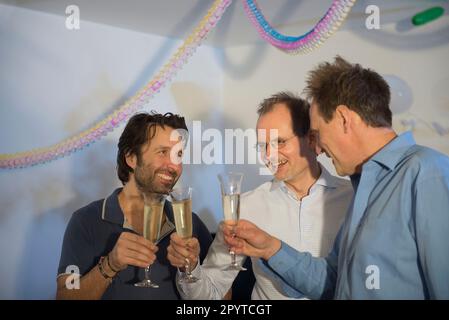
<point>165,177</point>
<point>275,166</point>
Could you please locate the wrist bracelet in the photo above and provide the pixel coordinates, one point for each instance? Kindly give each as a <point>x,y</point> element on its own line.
<point>109,265</point>
<point>103,273</point>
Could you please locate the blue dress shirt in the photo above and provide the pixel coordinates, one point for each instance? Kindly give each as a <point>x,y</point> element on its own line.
<point>394,242</point>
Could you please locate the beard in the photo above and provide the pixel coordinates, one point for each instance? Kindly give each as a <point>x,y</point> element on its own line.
<point>147,180</point>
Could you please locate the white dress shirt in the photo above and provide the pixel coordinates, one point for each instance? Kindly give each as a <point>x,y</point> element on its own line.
<point>310,224</point>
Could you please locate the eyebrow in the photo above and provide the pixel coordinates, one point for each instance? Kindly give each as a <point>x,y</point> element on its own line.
<point>265,143</point>
<point>161,147</point>
<point>279,137</point>
<point>284,137</point>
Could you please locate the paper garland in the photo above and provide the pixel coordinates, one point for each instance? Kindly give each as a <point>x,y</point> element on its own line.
<point>124,112</point>
<point>311,40</point>
<point>331,21</point>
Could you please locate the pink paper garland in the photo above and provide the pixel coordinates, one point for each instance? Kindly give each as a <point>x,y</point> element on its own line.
<point>331,21</point>
<point>123,113</point>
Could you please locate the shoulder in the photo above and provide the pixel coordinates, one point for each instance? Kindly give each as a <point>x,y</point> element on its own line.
<point>425,163</point>
<point>260,191</point>
<point>83,225</point>
<point>88,214</point>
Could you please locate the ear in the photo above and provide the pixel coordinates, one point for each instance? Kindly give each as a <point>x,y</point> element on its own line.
<point>343,116</point>
<point>131,160</point>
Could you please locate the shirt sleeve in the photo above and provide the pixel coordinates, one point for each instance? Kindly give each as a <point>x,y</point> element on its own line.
<point>300,274</point>
<point>77,249</point>
<point>432,225</point>
<point>215,282</point>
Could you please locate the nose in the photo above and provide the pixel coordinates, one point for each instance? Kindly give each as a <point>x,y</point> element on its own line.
<point>174,165</point>
<point>271,154</point>
<point>267,151</point>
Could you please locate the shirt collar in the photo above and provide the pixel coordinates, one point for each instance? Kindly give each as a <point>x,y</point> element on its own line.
<point>325,179</point>
<point>355,179</point>
<point>390,155</point>
<point>112,212</point>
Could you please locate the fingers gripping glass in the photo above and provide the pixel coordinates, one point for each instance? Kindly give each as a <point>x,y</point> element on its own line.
<point>152,220</point>
<point>230,184</point>
<point>182,210</point>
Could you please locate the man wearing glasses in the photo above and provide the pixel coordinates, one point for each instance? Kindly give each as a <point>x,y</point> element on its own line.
<point>304,205</point>
<point>393,243</point>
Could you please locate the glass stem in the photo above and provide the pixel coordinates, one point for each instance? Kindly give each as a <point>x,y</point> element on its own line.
<point>147,273</point>
<point>233,258</point>
<point>187,266</point>
<point>232,252</point>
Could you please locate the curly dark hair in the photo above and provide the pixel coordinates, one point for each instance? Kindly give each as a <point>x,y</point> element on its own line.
<point>139,130</point>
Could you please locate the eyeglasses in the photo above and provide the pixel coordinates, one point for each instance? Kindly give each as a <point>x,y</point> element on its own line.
<point>274,144</point>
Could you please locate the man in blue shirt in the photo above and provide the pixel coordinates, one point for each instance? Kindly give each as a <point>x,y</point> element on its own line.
<point>394,242</point>
<point>103,241</point>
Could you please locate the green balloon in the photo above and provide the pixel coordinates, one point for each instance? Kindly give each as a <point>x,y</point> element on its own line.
<point>427,16</point>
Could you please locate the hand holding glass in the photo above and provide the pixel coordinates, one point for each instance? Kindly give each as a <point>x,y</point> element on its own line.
<point>152,220</point>
<point>182,210</point>
<point>230,184</point>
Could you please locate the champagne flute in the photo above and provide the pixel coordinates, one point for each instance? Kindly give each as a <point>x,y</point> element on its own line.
<point>152,220</point>
<point>182,211</point>
<point>230,184</point>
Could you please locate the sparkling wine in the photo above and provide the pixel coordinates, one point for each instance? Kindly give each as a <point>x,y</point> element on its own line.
<point>231,208</point>
<point>182,211</point>
<point>152,219</point>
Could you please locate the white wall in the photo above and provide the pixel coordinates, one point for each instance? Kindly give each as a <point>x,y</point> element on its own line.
<point>56,82</point>
<point>414,63</point>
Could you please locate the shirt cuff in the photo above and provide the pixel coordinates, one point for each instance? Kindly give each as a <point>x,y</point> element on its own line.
<point>195,272</point>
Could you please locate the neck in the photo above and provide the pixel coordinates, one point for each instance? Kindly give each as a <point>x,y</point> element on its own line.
<point>372,141</point>
<point>131,203</point>
<point>304,181</point>
<point>131,194</point>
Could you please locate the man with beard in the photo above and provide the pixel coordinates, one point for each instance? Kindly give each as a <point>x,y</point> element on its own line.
<point>103,240</point>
